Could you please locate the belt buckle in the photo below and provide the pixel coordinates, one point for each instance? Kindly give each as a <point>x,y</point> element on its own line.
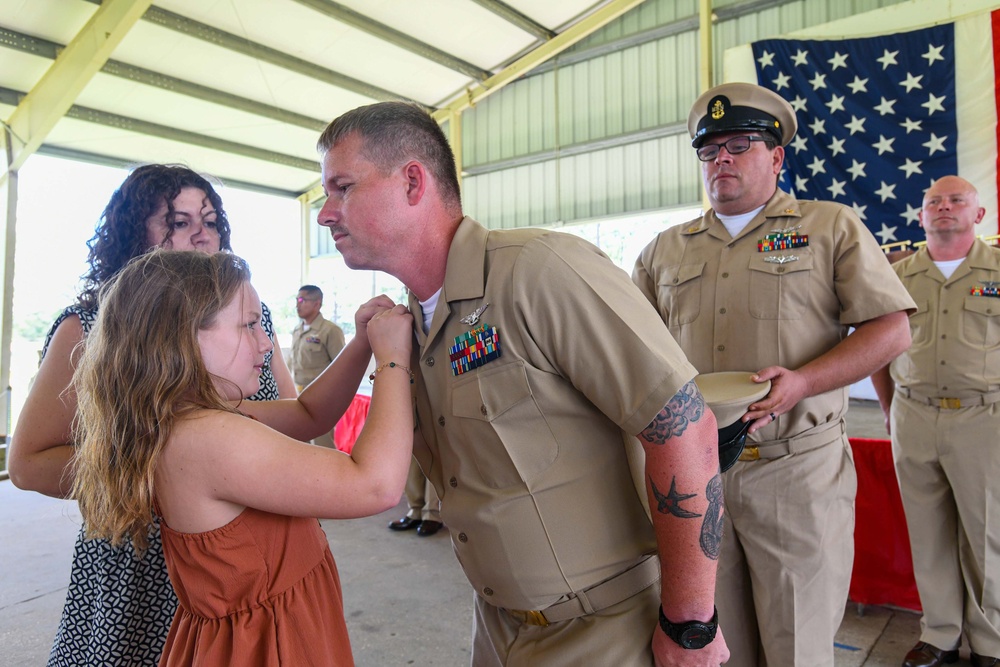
<point>750,453</point>
<point>950,403</point>
<point>530,617</point>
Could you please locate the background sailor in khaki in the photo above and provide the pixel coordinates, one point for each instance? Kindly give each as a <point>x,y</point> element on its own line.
<point>316,342</point>
<point>769,284</point>
<point>945,421</point>
<point>537,361</point>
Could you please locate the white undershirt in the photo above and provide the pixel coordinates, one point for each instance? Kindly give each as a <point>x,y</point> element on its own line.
<point>736,223</point>
<point>948,267</point>
<point>427,307</point>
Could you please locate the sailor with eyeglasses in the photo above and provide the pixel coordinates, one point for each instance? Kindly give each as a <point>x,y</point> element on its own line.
<point>769,284</point>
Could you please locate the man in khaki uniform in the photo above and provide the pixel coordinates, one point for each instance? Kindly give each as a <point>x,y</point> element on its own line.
<point>315,343</point>
<point>537,361</point>
<point>769,284</point>
<point>944,417</point>
<point>423,505</point>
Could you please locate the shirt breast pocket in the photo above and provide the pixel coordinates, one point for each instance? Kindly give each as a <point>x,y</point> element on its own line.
<point>981,321</point>
<point>500,425</point>
<point>679,293</point>
<point>921,326</point>
<point>779,291</point>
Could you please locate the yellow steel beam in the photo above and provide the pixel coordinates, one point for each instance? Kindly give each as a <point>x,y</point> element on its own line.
<point>548,50</point>
<point>72,70</point>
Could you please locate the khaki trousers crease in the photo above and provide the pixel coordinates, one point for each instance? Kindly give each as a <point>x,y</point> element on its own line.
<point>787,555</point>
<point>421,496</point>
<point>948,467</point>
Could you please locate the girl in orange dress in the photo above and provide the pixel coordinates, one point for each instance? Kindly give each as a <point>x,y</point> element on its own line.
<point>176,348</point>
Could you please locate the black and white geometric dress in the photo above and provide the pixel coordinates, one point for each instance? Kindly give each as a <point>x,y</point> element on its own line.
<point>119,606</point>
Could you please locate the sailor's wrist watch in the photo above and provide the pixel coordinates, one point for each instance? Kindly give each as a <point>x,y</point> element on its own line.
<point>692,634</point>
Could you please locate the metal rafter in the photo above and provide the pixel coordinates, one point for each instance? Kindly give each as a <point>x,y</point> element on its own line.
<point>228,40</point>
<point>343,14</point>
<point>46,49</point>
<point>515,17</point>
<point>14,97</point>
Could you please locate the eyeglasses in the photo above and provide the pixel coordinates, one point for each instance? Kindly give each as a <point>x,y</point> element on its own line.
<point>300,299</point>
<point>734,146</point>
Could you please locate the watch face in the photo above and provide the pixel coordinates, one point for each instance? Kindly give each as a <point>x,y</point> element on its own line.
<point>696,636</point>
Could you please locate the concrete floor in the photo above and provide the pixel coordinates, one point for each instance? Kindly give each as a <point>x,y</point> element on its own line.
<point>406,599</point>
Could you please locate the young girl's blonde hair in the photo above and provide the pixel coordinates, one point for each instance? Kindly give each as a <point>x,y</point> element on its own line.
<point>141,369</point>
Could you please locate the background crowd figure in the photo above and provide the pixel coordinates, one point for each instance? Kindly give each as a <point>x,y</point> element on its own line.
<point>535,400</point>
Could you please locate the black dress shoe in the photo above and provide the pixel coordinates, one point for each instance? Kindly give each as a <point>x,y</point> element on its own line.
<point>428,528</point>
<point>928,655</point>
<point>983,660</point>
<point>406,523</point>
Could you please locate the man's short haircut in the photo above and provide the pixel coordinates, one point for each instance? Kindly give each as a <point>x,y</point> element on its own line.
<point>312,290</point>
<point>393,133</point>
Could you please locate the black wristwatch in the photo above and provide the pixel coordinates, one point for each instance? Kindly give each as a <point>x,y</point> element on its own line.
<point>693,634</point>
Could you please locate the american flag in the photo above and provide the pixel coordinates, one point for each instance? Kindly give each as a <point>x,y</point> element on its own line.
<point>877,121</point>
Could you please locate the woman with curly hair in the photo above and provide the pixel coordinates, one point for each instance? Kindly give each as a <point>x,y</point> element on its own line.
<point>118,606</point>
<point>160,431</point>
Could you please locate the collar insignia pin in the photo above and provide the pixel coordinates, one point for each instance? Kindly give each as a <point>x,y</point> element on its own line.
<point>473,318</point>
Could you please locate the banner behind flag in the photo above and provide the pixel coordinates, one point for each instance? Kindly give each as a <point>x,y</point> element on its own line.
<point>881,117</point>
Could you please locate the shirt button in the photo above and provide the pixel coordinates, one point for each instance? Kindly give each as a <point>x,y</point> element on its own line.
<point>721,348</point>
<point>944,388</point>
<point>944,336</point>
<point>781,269</point>
<point>463,538</point>
<point>453,482</point>
<point>430,361</point>
<point>943,362</point>
<point>482,408</point>
<point>441,420</point>
<point>675,281</point>
<point>945,311</point>
<point>488,591</point>
<point>725,274</point>
<point>722,311</point>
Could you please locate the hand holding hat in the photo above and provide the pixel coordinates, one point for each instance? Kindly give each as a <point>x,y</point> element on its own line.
<point>729,395</point>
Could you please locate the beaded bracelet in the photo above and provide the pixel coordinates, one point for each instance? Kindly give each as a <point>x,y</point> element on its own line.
<point>389,364</point>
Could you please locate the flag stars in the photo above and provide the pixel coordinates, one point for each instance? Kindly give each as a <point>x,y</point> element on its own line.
<point>884,144</point>
<point>888,58</point>
<point>781,81</point>
<point>859,85</point>
<point>860,210</point>
<point>886,107</point>
<point>857,170</point>
<point>933,104</point>
<point>818,81</point>
<point>934,144</point>
<point>836,103</point>
<point>818,126</point>
<point>799,143</point>
<point>911,82</point>
<point>933,53</point>
<point>912,125</point>
<point>766,59</point>
<point>799,103</point>
<point>817,166</point>
<point>837,147</point>
<point>856,125</point>
<point>911,167</point>
<point>911,215</point>
<point>838,60</point>
<point>886,191</point>
<point>887,233</point>
<point>836,188</point>
<point>800,58</point>
<point>801,183</point>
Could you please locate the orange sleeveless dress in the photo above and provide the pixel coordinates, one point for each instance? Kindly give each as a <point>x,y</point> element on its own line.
<point>262,590</point>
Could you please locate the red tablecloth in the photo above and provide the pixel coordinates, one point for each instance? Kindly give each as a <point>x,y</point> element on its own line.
<point>351,423</point>
<point>883,567</point>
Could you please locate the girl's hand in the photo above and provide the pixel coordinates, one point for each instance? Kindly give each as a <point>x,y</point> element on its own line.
<point>390,333</point>
<point>367,311</point>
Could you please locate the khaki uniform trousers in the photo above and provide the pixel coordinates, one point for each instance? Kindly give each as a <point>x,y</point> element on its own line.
<point>620,636</point>
<point>787,555</point>
<point>421,496</point>
<point>948,466</point>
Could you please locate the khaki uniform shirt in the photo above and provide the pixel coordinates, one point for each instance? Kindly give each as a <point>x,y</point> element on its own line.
<point>526,451</point>
<point>734,308</point>
<point>956,335</point>
<point>313,350</point>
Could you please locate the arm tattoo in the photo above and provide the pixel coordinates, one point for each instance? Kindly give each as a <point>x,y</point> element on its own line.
<point>686,406</point>
<point>671,503</point>
<point>711,527</point>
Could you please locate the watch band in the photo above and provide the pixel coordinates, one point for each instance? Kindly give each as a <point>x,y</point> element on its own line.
<point>690,634</point>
